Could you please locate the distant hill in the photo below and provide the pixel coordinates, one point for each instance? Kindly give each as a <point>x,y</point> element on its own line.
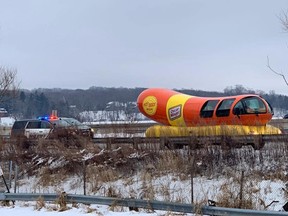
<point>37,102</point>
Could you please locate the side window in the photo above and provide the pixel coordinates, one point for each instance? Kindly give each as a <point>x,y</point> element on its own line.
<point>238,109</point>
<point>34,125</point>
<point>45,124</point>
<point>224,107</point>
<point>208,108</point>
<point>19,124</point>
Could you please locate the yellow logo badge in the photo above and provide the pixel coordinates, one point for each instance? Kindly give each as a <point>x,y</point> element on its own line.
<point>150,105</point>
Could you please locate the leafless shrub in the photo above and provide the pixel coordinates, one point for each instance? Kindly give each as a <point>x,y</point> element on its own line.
<point>230,195</point>
<point>147,191</point>
<point>40,203</point>
<point>5,203</point>
<point>171,161</point>
<point>89,210</point>
<point>112,192</point>
<point>116,208</point>
<point>61,202</point>
<point>165,192</point>
<point>107,174</point>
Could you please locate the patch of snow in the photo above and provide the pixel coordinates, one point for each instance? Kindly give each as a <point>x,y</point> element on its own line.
<point>88,156</point>
<point>29,208</point>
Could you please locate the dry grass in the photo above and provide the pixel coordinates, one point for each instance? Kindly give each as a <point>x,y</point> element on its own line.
<point>40,203</point>
<point>61,202</point>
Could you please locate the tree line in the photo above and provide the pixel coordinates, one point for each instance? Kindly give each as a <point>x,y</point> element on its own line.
<point>67,102</point>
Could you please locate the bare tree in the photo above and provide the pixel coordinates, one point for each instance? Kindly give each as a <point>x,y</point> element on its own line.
<point>284,21</point>
<point>8,83</point>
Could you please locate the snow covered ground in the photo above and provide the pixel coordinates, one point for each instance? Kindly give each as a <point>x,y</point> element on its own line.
<point>166,188</point>
<point>29,209</point>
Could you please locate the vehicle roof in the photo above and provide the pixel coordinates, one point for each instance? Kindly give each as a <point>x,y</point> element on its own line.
<point>34,120</point>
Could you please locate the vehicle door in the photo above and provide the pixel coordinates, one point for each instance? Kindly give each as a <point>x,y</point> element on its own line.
<point>37,129</point>
<point>18,128</point>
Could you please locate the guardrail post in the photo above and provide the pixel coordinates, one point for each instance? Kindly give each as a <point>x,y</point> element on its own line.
<point>135,143</point>
<point>162,142</point>
<point>108,143</point>
<point>84,177</point>
<point>193,142</point>
<point>10,173</point>
<point>192,171</point>
<point>15,177</point>
<point>258,142</point>
<point>241,189</point>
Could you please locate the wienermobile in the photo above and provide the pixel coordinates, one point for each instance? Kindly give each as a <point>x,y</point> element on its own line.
<point>181,114</point>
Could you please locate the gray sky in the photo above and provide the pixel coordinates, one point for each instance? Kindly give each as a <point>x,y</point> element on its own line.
<point>195,44</point>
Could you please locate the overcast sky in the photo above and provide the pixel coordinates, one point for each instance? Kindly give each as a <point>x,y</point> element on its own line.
<point>195,44</point>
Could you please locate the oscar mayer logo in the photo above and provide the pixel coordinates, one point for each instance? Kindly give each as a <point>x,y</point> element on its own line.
<point>175,112</point>
<point>150,105</point>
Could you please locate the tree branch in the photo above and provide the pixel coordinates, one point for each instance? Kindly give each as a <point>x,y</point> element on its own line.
<point>284,20</point>
<point>279,74</point>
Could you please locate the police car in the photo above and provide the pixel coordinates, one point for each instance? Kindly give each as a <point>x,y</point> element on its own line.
<point>50,126</point>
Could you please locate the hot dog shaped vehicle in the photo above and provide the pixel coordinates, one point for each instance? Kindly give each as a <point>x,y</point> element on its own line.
<point>181,114</point>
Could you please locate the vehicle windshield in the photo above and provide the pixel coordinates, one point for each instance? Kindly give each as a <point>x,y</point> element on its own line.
<point>250,105</point>
<point>72,121</point>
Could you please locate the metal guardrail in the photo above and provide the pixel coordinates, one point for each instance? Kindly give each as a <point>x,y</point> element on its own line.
<point>142,126</point>
<point>209,210</point>
<point>133,127</point>
<point>137,203</point>
<point>189,139</point>
<point>120,124</point>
